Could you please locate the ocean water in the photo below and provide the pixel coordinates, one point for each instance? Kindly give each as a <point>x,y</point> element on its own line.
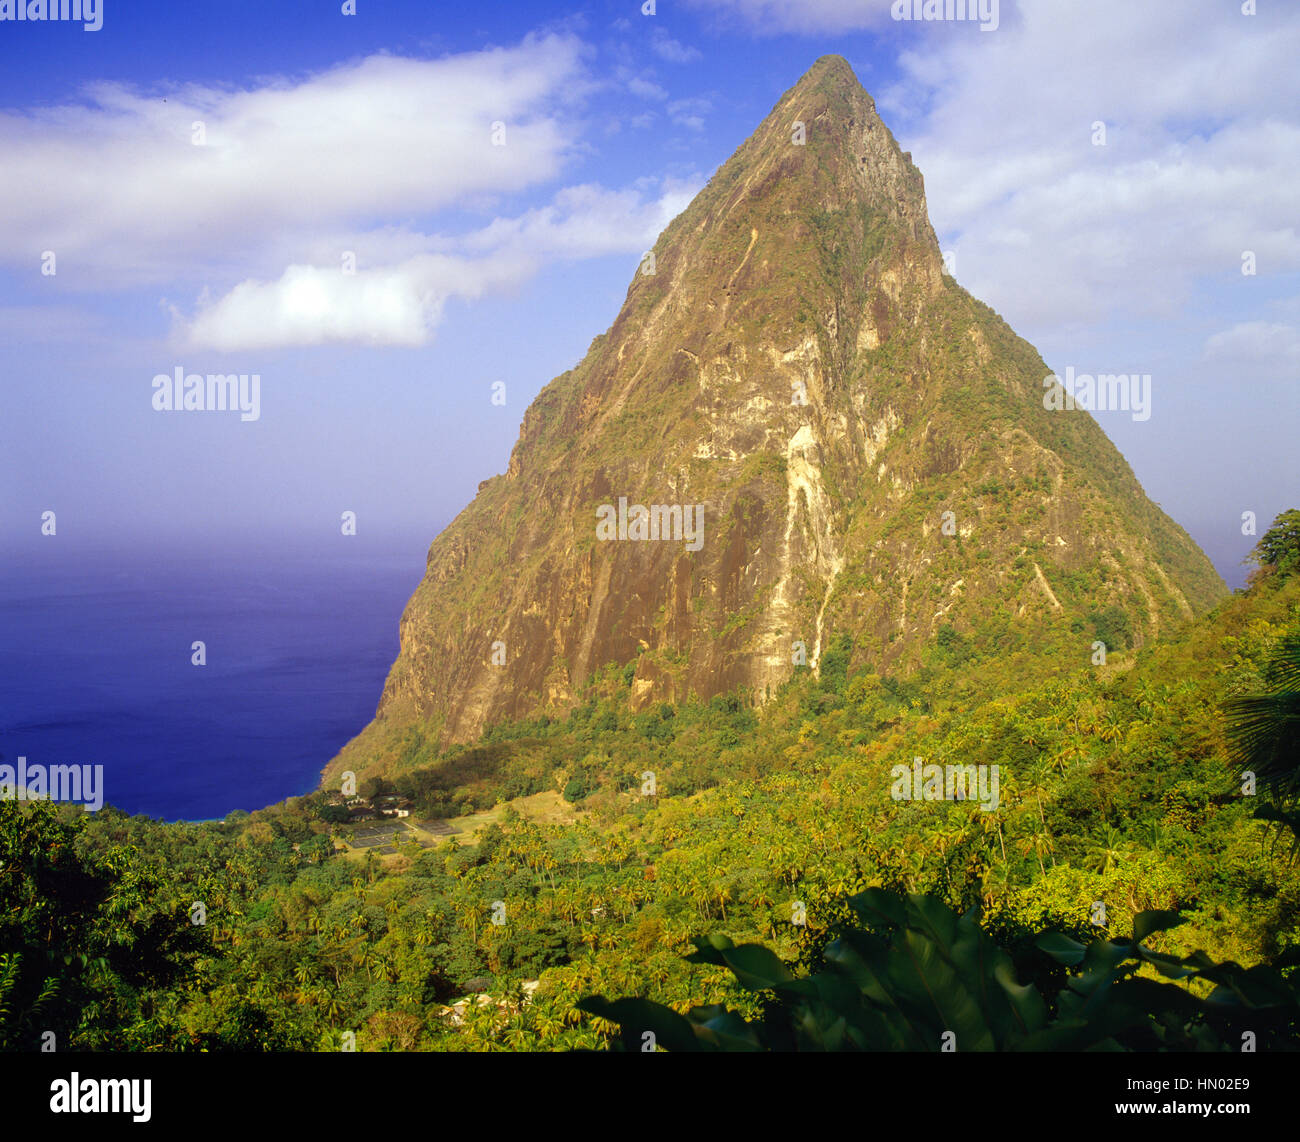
<point>95,669</point>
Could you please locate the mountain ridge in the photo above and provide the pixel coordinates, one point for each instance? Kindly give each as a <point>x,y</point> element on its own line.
<point>794,358</point>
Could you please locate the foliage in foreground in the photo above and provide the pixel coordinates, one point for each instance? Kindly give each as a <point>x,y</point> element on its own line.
<point>916,976</point>
<point>1263,732</point>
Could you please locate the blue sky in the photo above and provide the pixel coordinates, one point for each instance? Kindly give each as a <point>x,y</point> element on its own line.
<point>219,249</point>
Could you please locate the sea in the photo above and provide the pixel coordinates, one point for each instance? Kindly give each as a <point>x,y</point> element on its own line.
<point>97,667</point>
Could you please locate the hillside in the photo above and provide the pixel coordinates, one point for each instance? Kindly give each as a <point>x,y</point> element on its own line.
<point>1115,790</point>
<point>799,371</point>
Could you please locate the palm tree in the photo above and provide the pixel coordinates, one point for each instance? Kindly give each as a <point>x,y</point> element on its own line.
<point>471,913</point>
<point>548,1021</point>
<point>996,880</point>
<point>1070,750</point>
<point>913,861</point>
<point>1156,837</point>
<point>518,1034</point>
<point>365,958</point>
<point>333,1005</point>
<point>425,932</point>
<point>992,822</point>
<point>1147,698</point>
<point>1107,850</point>
<point>724,894</point>
<point>1112,727</point>
<point>305,974</point>
<point>1038,844</point>
<point>1263,733</point>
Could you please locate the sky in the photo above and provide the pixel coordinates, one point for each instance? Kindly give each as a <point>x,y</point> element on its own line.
<point>391,216</point>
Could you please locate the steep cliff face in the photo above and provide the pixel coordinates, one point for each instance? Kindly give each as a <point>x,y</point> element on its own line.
<point>799,366</point>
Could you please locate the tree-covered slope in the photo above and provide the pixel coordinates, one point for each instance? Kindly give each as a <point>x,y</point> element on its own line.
<point>867,444</point>
<point>1118,794</point>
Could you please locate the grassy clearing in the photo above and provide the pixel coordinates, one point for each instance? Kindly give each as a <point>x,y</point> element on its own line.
<point>545,808</point>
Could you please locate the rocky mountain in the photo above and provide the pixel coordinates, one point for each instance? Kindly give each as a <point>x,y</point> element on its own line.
<point>829,437</point>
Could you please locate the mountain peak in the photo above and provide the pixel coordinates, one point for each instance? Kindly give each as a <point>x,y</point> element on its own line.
<point>833,94</point>
<point>829,68</point>
<point>798,433</point>
<point>822,147</point>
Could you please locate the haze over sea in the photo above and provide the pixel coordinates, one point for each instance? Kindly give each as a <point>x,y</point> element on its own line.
<point>95,668</point>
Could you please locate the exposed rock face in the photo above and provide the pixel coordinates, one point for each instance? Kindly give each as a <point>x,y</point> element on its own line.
<point>800,365</point>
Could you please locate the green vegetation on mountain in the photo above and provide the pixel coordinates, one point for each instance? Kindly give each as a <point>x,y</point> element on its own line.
<point>912,572</point>
<point>868,442</point>
<point>1120,794</point>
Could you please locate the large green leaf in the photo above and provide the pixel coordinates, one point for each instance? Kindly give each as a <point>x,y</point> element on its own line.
<point>635,1017</point>
<point>755,967</point>
<point>1061,948</point>
<point>1144,923</point>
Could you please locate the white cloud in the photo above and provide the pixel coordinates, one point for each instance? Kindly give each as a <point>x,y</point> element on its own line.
<point>401,303</point>
<point>1201,161</point>
<point>665,47</point>
<point>1201,158</point>
<point>689,112</point>
<point>1267,345</point>
<point>645,88</point>
<point>115,186</point>
<point>585,221</point>
<point>801,17</point>
<point>308,305</point>
<point>294,173</point>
